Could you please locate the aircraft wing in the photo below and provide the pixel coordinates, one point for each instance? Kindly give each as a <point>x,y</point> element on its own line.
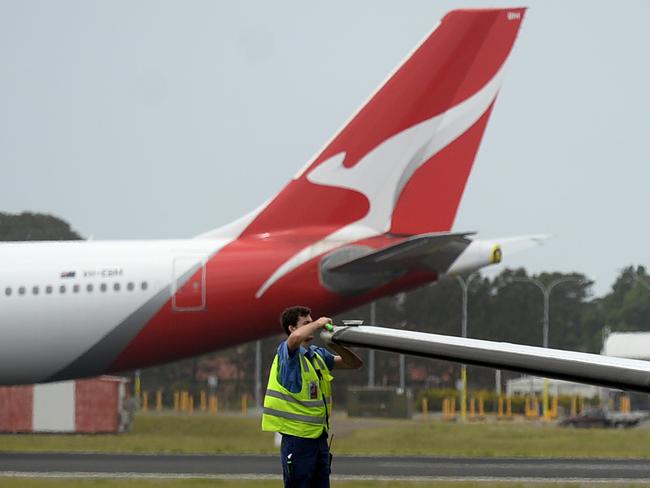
<point>613,372</point>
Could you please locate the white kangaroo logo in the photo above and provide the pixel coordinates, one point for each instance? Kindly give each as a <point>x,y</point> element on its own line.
<point>388,168</point>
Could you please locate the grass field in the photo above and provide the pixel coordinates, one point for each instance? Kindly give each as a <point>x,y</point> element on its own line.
<point>237,434</point>
<point>45,483</point>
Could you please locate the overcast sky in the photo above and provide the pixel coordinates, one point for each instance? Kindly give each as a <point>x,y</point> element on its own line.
<point>158,119</point>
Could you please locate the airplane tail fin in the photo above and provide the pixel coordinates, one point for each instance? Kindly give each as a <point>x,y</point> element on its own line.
<point>401,163</point>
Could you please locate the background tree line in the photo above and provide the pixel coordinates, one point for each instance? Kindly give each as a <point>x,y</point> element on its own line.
<point>29,226</point>
<point>499,309</point>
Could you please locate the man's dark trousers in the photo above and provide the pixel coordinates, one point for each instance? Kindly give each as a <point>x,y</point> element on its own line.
<point>305,462</point>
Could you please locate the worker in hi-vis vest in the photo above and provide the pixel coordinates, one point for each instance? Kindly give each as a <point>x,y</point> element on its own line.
<point>298,399</point>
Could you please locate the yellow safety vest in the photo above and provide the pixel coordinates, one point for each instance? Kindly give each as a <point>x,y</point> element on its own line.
<point>302,414</point>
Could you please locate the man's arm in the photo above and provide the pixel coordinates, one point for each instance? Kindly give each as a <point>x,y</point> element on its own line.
<point>345,359</point>
<point>289,369</point>
<point>305,333</point>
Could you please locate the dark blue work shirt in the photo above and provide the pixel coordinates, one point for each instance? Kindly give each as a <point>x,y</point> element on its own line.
<point>289,364</point>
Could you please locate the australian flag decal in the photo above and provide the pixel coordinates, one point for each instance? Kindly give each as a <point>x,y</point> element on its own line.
<point>67,274</point>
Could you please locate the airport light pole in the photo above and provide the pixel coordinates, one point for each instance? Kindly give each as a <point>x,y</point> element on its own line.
<point>137,387</point>
<point>371,355</point>
<point>258,374</point>
<point>546,292</point>
<point>371,352</point>
<point>402,366</point>
<point>464,285</point>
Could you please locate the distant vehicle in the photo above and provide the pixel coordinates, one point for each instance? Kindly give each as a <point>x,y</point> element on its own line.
<point>601,418</point>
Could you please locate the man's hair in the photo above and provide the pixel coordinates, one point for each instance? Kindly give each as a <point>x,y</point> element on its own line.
<point>291,315</point>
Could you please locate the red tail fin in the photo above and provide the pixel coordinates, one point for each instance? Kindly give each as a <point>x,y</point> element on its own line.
<point>401,163</point>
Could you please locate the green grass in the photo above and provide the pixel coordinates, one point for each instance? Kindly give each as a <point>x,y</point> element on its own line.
<point>495,440</point>
<point>236,434</point>
<point>159,433</point>
<point>127,483</point>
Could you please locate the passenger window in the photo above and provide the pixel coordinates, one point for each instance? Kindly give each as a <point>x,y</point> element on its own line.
<point>48,289</point>
<point>75,288</point>
<point>8,291</point>
<point>102,287</point>
<point>130,286</point>
<point>35,290</point>
<point>143,285</point>
<point>89,287</point>
<point>21,290</point>
<point>62,289</point>
<point>116,287</point>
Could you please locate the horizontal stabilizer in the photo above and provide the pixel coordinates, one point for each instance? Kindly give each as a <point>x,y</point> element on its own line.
<point>514,245</point>
<point>434,252</point>
<point>628,374</point>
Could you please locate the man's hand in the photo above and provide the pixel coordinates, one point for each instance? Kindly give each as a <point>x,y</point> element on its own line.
<point>323,321</point>
<point>305,333</point>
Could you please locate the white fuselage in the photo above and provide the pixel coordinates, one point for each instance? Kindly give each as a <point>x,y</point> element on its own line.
<point>57,299</point>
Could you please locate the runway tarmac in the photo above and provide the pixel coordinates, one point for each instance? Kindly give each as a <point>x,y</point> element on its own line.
<point>344,467</point>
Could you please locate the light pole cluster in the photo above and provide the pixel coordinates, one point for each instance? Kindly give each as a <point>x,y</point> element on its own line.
<point>464,282</point>
<point>464,285</point>
<point>546,292</point>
